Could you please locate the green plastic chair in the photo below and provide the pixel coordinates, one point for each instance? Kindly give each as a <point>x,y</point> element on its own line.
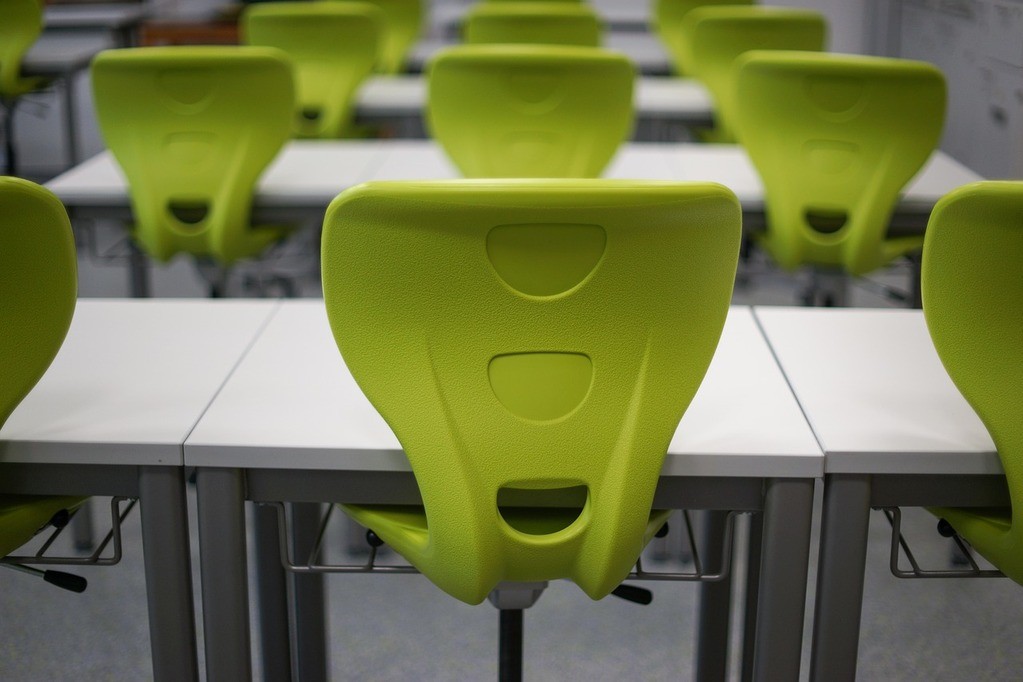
<point>716,36</point>
<point>667,18</point>
<point>20,27</point>
<point>333,48</point>
<point>535,23</point>
<point>835,138</point>
<point>532,344</point>
<point>530,110</point>
<point>38,288</point>
<point>973,303</point>
<point>193,128</point>
<point>404,21</point>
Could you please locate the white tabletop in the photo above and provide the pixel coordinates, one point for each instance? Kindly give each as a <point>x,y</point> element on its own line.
<point>425,160</point>
<point>109,17</point>
<point>616,14</point>
<point>292,403</point>
<point>730,165</point>
<point>305,173</point>
<point>309,174</point>
<point>130,381</point>
<point>655,96</point>
<point>58,54</point>
<point>644,49</point>
<point>875,392</point>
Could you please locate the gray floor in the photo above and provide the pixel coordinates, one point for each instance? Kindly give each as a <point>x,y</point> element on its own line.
<point>402,628</point>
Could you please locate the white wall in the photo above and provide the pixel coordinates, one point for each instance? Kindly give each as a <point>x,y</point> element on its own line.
<point>978,44</point>
<point>847,22</point>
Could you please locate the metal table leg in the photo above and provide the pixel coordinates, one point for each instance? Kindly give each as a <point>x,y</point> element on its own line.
<point>715,602</point>
<point>843,557</point>
<point>272,585</point>
<point>225,595</point>
<point>71,130</point>
<point>168,570</point>
<point>310,599</point>
<point>754,544</point>
<point>785,554</point>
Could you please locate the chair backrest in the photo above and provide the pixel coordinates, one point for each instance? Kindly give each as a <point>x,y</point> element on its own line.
<point>403,21</point>
<point>536,23</point>
<point>530,110</point>
<point>972,290</point>
<point>835,138</point>
<point>38,286</point>
<point>530,338</point>
<point>333,48</point>
<point>715,36</point>
<point>667,18</point>
<point>193,128</point>
<point>20,27</point>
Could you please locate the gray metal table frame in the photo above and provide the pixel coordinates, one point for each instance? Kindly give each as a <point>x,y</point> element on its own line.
<point>786,505</point>
<point>62,58</point>
<point>167,557</point>
<point>848,499</point>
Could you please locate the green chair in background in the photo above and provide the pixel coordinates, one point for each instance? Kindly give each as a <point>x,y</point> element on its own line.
<point>333,47</point>
<point>404,21</point>
<point>536,440</point>
<point>537,23</point>
<point>38,289</point>
<point>20,27</point>
<point>193,128</point>
<point>835,138</point>
<point>716,36</point>
<point>973,303</point>
<point>667,16</point>
<point>530,110</point>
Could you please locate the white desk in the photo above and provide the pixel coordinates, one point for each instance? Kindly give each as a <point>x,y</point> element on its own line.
<point>109,418</point>
<point>61,57</point>
<point>119,20</point>
<point>307,175</point>
<point>644,49</point>
<point>659,101</point>
<point>894,430</point>
<point>620,15</point>
<point>291,424</point>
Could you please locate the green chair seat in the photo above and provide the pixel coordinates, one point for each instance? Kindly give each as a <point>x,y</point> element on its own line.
<point>834,139</point>
<point>530,110</point>
<point>535,23</point>
<point>38,289</point>
<point>973,303</point>
<point>193,128</point>
<point>533,344</point>
<point>333,48</point>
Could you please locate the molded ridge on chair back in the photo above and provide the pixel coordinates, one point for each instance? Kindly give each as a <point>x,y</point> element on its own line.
<point>555,23</point>
<point>667,23</point>
<point>835,138</point>
<point>333,48</point>
<point>193,128</point>
<point>528,341</point>
<point>38,290</point>
<point>530,110</point>
<point>973,301</point>
<point>38,286</point>
<point>716,36</point>
<point>20,27</point>
<point>403,24</point>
